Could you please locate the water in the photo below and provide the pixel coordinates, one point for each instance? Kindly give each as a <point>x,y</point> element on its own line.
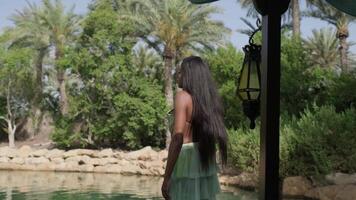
<point>35,185</point>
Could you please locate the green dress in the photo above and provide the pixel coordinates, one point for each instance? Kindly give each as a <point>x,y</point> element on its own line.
<point>189,181</point>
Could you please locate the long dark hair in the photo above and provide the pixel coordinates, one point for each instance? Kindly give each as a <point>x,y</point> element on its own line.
<point>207,123</point>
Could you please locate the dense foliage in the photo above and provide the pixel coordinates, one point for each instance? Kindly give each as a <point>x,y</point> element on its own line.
<point>111,104</point>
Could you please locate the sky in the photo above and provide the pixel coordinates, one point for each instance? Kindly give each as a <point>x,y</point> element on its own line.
<point>230,16</point>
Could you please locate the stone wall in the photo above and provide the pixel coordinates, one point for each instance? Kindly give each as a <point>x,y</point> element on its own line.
<point>145,161</point>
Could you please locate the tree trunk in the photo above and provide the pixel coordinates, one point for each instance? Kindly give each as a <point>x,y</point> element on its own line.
<point>11,134</point>
<point>343,53</point>
<point>63,99</point>
<point>296,18</point>
<point>11,127</point>
<point>37,99</point>
<point>168,90</point>
<point>39,72</point>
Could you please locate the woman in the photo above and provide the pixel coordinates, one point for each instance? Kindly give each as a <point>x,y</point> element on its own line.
<point>191,170</point>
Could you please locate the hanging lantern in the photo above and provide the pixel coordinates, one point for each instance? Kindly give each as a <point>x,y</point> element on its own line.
<point>249,81</point>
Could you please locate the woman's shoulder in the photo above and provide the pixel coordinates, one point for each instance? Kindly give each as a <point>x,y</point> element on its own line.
<point>182,95</point>
<point>183,100</point>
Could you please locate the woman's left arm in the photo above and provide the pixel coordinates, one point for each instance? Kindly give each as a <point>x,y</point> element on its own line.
<point>176,141</point>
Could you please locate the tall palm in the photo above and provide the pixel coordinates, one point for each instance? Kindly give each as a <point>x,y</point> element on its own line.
<point>29,32</point>
<point>319,9</point>
<point>173,27</point>
<point>293,12</point>
<point>322,48</point>
<point>63,27</point>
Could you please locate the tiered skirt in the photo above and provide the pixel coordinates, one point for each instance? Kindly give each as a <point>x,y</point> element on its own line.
<point>189,181</point>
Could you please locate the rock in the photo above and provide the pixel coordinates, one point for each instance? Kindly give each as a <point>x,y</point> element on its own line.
<point>109,161</point>
<point>95,162</point>
<point>157,171</point>
<point>80,160</point>
<point>10,166</point>
<point>79,152</point>
<point>162,155</point>
<point>18,160</point>
<point>248,181</point>
<point>24,151</point>
<point>108,169</point>
<point>129,170</point>
<point>8,152</point>
<point>229,180</point>
<point>124,162</point>
<point>333,192</point>
<point>25,167</point>
<point>72,166</point>
<point>100,169</point>
<point>146,172</point>
<point>4,159</point>
<point>57,160</point>
<point>143,164</point>
<point>296,187</point>
<point>119,155</point>
<point>46,167</point>
<point>87,152</point>
<point>348,193</point>
<point>36,160</point>
<point>105,153</point>
<point>54,153</point>
<point>244,180</point>
<point>229,170</point>
<point>155,164</point>
<point>146,153</point>
<point>114,168</point>
<point>39,153</point>
<point>70,153</point>
<point>103,161</point>
<point>341,179</point>
<point>60,167</point>
<point>86,168</point>
<point>25,148</point>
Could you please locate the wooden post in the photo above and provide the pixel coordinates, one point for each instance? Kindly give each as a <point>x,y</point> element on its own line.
<point>270,97</point>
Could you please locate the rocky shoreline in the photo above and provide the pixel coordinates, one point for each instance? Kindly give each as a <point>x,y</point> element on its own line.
<point>149,162</point>
<point>145,161</point>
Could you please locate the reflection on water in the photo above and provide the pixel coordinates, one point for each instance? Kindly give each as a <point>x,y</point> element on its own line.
<point>35,185</point>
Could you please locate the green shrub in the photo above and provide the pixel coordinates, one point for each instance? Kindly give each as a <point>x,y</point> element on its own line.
<point>322,141</point>
<point>244,149</point>
<point>342,92</point>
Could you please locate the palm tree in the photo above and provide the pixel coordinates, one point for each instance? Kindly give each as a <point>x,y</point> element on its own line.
<point>295,17</point>
<point>29,32</point>
<point>319,9</point>
<point>322,48</point>
<point>62,27</point>
<point>173,27</point>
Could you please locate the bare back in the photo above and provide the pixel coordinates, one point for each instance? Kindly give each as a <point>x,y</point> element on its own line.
<point>183,110</point>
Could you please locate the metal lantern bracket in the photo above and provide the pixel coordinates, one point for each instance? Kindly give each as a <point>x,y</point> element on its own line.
<point>251,108</point>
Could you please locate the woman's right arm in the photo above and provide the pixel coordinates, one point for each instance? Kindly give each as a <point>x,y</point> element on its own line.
<point>176,141</point>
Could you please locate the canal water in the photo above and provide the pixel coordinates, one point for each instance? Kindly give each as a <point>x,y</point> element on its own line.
<point>36,185</point>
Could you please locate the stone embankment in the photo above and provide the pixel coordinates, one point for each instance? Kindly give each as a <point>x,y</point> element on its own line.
<point>145,161</point>
<point>149,162</point>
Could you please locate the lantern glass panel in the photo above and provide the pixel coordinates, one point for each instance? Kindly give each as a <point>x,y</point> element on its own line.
<point>254,81</point>
<point>244,81</point>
